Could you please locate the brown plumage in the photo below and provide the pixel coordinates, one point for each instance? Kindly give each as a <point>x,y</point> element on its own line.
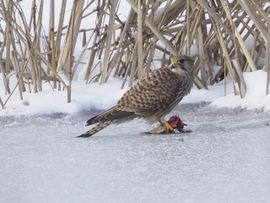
<point>154,96</point>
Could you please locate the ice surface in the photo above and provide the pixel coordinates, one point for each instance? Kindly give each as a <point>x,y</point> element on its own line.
<point>225,159</point>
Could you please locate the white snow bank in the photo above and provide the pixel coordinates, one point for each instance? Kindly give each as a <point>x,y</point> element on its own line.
<point>95,96</point>
<point>203,95</point>
<point>84,97</point>
<point>256,97</point>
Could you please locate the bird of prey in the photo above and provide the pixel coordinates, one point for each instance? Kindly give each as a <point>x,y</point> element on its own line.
<point>152,97</point>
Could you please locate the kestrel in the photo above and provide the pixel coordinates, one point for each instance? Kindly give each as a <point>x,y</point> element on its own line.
<point>152,97</point>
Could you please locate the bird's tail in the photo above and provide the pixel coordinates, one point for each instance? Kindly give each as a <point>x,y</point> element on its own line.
<point>95,129</point>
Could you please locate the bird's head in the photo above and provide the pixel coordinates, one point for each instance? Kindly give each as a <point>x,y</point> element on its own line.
<point>182,63</point>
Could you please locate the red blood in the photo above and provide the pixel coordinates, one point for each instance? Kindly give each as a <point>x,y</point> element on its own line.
<point>176,122</point>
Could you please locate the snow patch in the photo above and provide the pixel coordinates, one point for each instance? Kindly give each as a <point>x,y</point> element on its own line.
<point>84,97</point>
<point>256,97</point>
<point>95,96</point>
<point>205,95</point>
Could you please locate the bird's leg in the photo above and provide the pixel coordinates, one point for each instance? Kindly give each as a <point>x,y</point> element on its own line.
<point>166,125</point>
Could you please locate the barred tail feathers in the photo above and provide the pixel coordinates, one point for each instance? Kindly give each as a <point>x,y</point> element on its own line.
<point>111,114</point>
<point>104,119</point>
<point>101,117</point>
<point>100,126</point>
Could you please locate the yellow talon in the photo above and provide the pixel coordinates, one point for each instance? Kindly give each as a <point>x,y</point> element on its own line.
<point>166,125</point>
<point>168,128</point>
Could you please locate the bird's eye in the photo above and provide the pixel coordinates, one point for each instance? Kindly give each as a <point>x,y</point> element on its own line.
<point>181,61</point>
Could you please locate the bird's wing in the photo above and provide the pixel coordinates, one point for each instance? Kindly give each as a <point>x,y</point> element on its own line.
<point>155,91</point>
<point>108,115</point>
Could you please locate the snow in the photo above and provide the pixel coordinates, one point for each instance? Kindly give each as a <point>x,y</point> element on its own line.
<point>86,97</point>
<point>203,95</point>
<point>256,97</point>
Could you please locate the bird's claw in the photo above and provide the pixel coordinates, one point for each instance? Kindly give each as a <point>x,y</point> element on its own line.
<point>168,127</point>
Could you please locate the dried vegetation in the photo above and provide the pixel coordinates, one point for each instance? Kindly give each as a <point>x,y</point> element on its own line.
<point>227,38</point>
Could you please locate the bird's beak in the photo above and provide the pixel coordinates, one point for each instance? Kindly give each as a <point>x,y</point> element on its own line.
<point>173,61</point>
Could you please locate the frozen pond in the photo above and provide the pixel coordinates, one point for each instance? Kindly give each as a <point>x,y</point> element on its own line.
<point>225,159</point>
